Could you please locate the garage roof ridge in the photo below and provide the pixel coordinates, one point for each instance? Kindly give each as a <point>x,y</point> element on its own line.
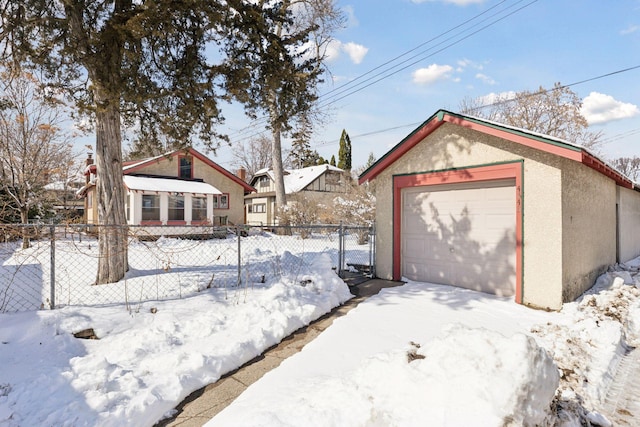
<point>557,146</point>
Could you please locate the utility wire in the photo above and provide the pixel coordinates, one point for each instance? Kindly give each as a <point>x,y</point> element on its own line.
<point>401,66</point>
<point>349,85</point>
<point>504,101</point>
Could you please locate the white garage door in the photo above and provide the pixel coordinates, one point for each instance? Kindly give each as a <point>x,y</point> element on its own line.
<point>461,235</point>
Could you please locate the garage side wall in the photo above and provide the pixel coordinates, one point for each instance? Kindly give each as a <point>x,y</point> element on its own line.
<point>452,146</point>
<point>589,224</point>
<point>629,223</point>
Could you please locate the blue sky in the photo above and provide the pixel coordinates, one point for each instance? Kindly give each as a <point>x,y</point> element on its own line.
<point>546,41</point>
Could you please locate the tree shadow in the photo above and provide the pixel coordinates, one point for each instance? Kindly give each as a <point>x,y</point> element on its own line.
<point>453,248</point>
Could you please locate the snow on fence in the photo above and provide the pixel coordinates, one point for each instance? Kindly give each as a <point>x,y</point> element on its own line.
<point>60,265</point>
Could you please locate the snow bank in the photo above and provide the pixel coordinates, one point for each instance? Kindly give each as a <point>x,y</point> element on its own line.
<point>151,356</point>
<point>467,377</point>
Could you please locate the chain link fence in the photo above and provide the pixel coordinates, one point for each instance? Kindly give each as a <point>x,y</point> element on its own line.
<point>59,264</point>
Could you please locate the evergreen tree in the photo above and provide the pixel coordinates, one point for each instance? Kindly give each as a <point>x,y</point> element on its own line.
<point>141,64</point>
<point>344,154</point>
<point>280,58</point>
<point>333,160</point>
<point>302,156</point>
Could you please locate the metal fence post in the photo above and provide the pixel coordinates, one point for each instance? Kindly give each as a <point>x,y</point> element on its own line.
<point>340,249</point>
<point>239,256</point>
<point>52,267</point>
<point>372,249</point>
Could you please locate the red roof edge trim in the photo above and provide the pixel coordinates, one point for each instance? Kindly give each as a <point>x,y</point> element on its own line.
<point>507,134</point>
<point>599,166</point>
<point>222,170</point>
<point>247,188</point>
<point>402,147</point>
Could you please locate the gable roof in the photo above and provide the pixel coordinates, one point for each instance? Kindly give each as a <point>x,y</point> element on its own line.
<point>535,140</point>
<point>131,167</point>
<point>297,179</point>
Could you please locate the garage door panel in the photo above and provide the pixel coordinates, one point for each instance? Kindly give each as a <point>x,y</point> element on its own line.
<point>467,235</point>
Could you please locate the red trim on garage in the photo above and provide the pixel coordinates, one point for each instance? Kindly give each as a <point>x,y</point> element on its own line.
<point>527,141</point>
<point>455,176</point>
<point>539,142</point>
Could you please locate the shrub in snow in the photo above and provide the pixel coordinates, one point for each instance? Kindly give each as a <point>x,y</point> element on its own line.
<point>300,211</point>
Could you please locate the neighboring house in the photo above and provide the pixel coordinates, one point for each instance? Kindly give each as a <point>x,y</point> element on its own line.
<point>473,203</point>
<point>319,183</point>
<point>181,187</point>
<point>62,194</point>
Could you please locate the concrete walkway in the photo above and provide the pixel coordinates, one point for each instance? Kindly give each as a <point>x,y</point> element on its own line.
<point>622,404</point>
<point>202,405</point>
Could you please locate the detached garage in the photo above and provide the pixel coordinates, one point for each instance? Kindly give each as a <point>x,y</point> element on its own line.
<point>472,203</point>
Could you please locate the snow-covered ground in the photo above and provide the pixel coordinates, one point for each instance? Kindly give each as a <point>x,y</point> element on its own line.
<point>418,354</point>
<point>425,354</point>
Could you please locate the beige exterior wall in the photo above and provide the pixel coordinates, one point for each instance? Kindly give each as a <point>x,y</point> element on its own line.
<point>452,146</point>
<point>259,218</point>
<point>169,167</point>
<point>629,224</point>
<point>589,227</point>
<point>91,209</point>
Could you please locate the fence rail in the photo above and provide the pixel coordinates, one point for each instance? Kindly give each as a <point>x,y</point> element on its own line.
<point>59,266</point>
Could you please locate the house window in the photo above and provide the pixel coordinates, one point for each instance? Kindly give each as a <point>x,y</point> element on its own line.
<point>150,207</point>
<point>198,208</point>
<point>176,208</point>
<point>259,208</point>
<point>263,181</point>
<point>221,201</point>
<point>186,167</point>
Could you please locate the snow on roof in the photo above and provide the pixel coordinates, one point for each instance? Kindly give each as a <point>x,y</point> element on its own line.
<point>135,163</point>
<point>300,178</point>
<point>297,179</point>
<point>166,185</point>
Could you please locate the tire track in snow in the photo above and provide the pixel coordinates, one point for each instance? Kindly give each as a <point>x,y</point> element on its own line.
<point>622,404</point>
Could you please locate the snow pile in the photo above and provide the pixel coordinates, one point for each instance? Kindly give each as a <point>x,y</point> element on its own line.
<point>148,358</point>
<point>589,341</point>
<point>467,377</point>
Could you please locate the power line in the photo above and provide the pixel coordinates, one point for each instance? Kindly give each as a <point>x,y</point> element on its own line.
<point>387,72</point>
<point>613,138</point>
<point>395,70</point>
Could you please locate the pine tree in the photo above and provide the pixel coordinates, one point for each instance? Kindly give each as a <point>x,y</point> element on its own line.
<point>333,160</point>
<point>344,154</point>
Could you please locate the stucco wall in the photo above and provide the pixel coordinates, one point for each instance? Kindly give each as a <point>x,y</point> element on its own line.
<point>169,167</point>
<point>589,224</point>
<point>629,223</point>
<point>452,146</point>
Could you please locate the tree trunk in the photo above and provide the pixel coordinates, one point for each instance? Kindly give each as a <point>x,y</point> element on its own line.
<point>276,152</point>
<point>112,231</point>
<point>24,217</point>
<point>278,173</point>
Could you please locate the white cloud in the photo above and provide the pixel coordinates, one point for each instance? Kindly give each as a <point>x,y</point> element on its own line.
<point>456,2</point>
<point>332,50</point>
<point>486,79</point>
<point>601,108</point>
<point>432,73</point>
<point>355,51</point>
<point>352,21</point>
<point>629,30</point>
<point>493,97</point>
